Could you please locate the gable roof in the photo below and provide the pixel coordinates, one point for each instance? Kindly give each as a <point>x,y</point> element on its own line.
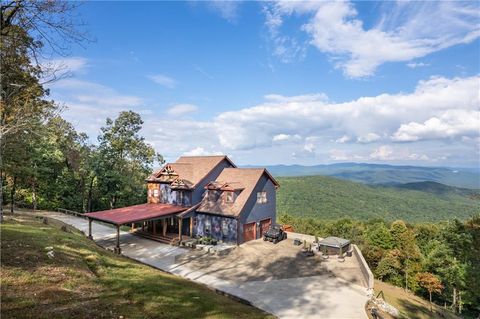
<point>190,169</point>
<point>243,179</point>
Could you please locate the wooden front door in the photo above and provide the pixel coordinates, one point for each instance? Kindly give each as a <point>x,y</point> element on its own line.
<point>264,225</point>
<point>249,231</point>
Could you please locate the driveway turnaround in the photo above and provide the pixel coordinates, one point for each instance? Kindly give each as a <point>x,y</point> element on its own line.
<point>303,293</point>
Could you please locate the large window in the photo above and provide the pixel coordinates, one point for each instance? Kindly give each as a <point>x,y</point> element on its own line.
<point>261,197</point>
<point>180,197</point>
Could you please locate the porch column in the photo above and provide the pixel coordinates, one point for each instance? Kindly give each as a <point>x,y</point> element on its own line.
<point>133,227</point>
<point>164,226</point>
<point>154,227</point>
<point>143,226</point>
<point>180,222</point>
<point>90,229</point>
<point>191,227</point>
<point>117,247</point>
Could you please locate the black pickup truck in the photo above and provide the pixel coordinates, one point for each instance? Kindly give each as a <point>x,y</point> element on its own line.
<point>275,234</point>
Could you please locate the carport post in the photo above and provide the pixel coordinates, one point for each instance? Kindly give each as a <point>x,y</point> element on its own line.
<point>117,247</point>
<point>180,222</point>
<point>90,229</point>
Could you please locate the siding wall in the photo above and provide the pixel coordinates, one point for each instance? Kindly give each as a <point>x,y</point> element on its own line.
<point>217,224</point>
<point>254,212</point>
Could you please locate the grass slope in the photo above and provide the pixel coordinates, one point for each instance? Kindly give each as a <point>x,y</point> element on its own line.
<point>85,281</point>
<point>331,198</point>
<point>409,305</point>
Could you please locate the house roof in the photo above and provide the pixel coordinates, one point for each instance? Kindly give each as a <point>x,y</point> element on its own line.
<point>242,179</point>
<point>135,213</point>
<point>191,170</point>
<point>335,242</point>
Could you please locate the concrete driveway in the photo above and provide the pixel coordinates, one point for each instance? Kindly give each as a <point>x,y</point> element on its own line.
<point>292,288</point>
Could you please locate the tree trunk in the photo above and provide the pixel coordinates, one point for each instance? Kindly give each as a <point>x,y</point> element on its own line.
<point>34,196</point>
<point>90,191</point>
<point>82,186</point>
<point>1,182</point>
<point>459,302</point>
<point>454,301</point>
<point>431,308</point>
<point>12,194</point>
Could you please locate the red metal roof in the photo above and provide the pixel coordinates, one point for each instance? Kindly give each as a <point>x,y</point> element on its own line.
<point>135,213</point>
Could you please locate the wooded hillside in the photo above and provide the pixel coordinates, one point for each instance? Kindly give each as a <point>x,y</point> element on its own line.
<point>331,198</point>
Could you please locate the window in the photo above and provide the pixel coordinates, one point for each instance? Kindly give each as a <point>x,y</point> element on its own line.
<point>149,193</point>
<point>180,196</point>
<point>229,197</point>
<point>225,227</point>
<point>261,197</point>
<point>212,195</point>
<point>208,225</point>
<point>155,193</point>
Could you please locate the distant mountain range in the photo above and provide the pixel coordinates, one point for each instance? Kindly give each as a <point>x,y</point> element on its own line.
<point>381,174</point>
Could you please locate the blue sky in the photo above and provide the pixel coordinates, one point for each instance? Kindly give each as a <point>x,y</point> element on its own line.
<point>284,82</point>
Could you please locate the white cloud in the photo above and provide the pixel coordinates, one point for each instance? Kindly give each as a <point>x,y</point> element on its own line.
<point>366,119</point>
<point>437,112</point>
<point>383,153</point>
<point>389,153</point>
<point>414,65</point>
<point>286,137</point>
<point>182,109</point>
<point>197,151</point>
<point>88,104</point>
<point>309,147</point>
<point>71,64</point>
<point>228,10</point>
<point>339,155</point>
<point>368,138</point>
<point>450,124</point>
<point>405,30</point>
<point>343,139</point>
<point>164,80</point>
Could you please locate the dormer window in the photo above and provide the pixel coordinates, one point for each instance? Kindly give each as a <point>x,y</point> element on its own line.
<point>229,197</point>
<point>212,195</point>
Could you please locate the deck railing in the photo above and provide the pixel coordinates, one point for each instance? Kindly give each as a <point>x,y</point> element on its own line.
<point>70,212</point>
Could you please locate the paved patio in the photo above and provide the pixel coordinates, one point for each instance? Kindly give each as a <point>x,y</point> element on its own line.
<point>311,293</point>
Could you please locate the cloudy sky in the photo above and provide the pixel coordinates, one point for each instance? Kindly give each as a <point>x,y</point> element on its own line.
<point>285,82</point>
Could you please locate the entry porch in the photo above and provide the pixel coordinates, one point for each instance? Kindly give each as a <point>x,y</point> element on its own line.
<point>168,230</point>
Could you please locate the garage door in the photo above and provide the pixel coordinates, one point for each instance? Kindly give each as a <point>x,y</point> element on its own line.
<point>249,232</point>
<point>264,225</point>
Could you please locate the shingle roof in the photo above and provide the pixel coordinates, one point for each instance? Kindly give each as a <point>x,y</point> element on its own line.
<point>135,213</point>
<point>191,169</point>
<point>246,179</point>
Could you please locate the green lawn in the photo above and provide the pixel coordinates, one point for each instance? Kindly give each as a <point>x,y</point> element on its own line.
<point>85,281</point>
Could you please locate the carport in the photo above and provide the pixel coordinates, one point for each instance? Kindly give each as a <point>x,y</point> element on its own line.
<point>133,214</point>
